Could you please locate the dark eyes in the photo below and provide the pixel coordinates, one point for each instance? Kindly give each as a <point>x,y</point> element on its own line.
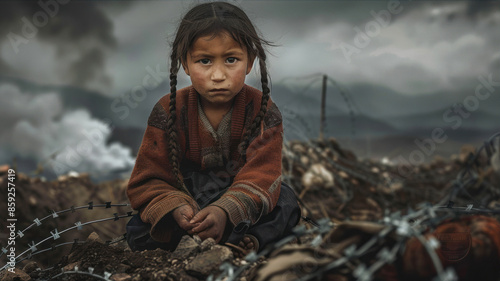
<point>228,60</point>
<point>204,61</point>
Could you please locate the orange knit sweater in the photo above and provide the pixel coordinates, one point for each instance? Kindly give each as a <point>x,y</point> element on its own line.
<point>154,191</point>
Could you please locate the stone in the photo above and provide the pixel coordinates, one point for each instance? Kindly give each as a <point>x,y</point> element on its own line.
<point>187,247</point>
<point>4,169</point>
<point>121,277</point>
<point>208,262</point>
<point>18,275</point>
<point>207,244</point>
<point>94,237</point>
<point>71,266</point>
<point>30,267</point>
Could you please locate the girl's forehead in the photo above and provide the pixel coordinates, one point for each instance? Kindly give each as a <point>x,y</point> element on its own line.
<point>218,42</point>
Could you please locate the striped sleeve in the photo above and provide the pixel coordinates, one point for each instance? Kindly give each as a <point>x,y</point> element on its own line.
<point>150,188</point>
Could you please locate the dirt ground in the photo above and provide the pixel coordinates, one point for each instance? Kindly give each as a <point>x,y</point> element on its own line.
<point>362,221</point>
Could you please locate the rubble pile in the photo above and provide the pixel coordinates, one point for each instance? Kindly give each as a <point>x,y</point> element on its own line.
<point>341,187</point>
<point>363,220</point>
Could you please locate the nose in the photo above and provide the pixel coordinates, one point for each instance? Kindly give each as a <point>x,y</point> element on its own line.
<point>218,73</point>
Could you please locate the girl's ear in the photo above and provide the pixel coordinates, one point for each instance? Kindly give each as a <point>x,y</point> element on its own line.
<point>251,59</point>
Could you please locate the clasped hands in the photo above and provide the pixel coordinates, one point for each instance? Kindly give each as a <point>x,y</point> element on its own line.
<point>208,222</point>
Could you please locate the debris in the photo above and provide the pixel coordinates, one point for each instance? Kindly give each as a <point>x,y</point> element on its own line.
<point>187,247</point>
<point>208,262</point>
<point>121,277</point>
<point>4,169</point>
<point>18,275</point>
<point>373,209</point>
<point>94,237</point>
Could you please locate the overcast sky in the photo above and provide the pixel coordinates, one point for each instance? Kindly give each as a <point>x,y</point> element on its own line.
<point>411,47</point>
<point>414,47</point>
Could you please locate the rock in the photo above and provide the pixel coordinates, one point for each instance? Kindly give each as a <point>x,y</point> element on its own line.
<point>397,186</point>
<point>465,150</point>
<point>94,237</point>
<point>122,268</point>
<point>30,267</point>
<point>207,244</point>
<point>208,262</point>
<point>318,176</point>
<point>197,239</point>
<point>187,247</point>
<point>184,277</point>
<point>343,175</point>
<point>18,275</point>
<point>121,277</point>
<point>495,162</point>
<point>4,169</point>
<point>71,266</point>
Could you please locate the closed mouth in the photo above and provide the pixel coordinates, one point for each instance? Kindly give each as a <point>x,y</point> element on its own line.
<point>218,90</point>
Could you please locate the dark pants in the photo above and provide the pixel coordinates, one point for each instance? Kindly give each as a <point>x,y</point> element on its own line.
<point>206,188</point>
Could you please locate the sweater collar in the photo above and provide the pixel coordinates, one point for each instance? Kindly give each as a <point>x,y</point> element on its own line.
<point>237,123</point>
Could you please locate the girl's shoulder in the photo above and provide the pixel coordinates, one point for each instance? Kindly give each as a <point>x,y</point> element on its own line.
<point>181,97</point>
<point>254,96</point>
<point>161,110</point>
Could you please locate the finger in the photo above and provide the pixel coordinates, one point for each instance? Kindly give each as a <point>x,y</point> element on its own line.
<point>209,233</point>
<point>190,230</point>
<point>184,224</point>
<point>203,226</point>
<point>189,213</point>
<point>200,216</point>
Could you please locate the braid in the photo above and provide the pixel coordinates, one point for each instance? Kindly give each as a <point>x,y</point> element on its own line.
<point>171,129</point>
<point>263,105</point>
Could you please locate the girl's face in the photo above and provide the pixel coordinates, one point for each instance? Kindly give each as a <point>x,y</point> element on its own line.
<point>217,68</point>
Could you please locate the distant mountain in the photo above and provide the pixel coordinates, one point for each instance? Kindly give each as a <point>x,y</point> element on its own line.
<point>394,146</point>
<point>340,126</point>
<point>366,111</point>
<point>444,118</point>
<point>379,101</point>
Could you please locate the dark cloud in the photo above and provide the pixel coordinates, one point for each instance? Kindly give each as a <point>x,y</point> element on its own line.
<point>81,32</point>
<point>77,21</point>
<point>478,9</point>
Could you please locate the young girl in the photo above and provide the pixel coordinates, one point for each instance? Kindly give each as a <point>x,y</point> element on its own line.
<point>210,160</point>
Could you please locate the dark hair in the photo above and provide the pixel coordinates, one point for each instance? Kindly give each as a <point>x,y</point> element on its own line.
<point>212,19</point>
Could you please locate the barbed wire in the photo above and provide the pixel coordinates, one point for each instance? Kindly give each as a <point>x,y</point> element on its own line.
<point>414,224</point>
<point>54,215</point>
<point>55,234</point>
<point>76,241</point>
<point>89,272</point>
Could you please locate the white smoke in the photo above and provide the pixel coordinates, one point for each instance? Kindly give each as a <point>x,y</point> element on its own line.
<point>38,128</point>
